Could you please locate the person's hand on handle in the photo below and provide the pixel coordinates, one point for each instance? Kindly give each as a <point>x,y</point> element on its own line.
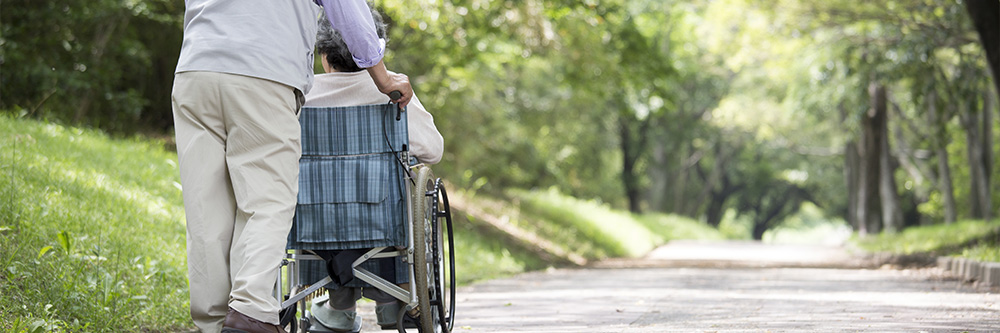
<point>390,82</point>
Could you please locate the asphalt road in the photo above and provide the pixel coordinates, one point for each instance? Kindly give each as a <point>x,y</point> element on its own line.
<point>729,287</point>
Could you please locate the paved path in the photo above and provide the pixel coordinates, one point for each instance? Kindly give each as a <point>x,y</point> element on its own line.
<point>709,287</point>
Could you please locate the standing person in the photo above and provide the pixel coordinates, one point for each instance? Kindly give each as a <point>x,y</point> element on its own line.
<point>243,70</point>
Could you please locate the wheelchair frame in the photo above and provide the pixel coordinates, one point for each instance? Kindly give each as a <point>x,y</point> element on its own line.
<point>426,202</point>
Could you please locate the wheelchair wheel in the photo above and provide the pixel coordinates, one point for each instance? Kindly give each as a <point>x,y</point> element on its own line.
<point>288,317</point>
<point>445,256</point>
<point>436,309</point>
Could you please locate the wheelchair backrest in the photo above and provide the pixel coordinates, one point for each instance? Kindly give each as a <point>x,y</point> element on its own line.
<point>352,193</point>
<point>352,130</point>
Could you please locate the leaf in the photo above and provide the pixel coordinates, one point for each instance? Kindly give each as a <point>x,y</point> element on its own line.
<point>43,251</point>
<point>65,241</point>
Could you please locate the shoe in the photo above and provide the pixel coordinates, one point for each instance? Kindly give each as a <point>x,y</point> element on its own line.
<point>387,314</point>
<point>237,322</point>
<point>341,321</point>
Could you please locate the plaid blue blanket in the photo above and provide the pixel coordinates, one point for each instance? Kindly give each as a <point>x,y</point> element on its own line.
<point>351,190</point>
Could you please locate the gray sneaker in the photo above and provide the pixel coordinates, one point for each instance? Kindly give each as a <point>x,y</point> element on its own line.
<point>339,321</point>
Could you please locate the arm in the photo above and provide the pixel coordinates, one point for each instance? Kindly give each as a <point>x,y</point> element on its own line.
<point>426,143</point>
<point>353,20</point>
<point>388,82</point>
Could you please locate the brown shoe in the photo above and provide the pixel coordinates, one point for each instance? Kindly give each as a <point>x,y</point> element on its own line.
<point>237,322</point>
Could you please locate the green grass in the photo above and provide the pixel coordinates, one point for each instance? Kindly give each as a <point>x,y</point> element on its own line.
<point>587,229</point>
<point>596,231</point>
<point>91,230</point>
<point>483,254</point>
<point>983,252</point>
<point>671,227</point>
<point>974,239</point>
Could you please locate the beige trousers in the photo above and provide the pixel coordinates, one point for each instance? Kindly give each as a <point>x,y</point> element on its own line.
<point>238,146</point>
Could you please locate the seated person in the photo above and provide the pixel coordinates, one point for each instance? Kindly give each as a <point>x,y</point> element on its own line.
<point>345,84</point>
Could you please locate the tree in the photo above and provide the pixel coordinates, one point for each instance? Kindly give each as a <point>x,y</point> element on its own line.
<point>107,64</point>
<point>919,49</point>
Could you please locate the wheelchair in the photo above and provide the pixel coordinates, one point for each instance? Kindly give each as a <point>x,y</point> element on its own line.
<point>364,203</point>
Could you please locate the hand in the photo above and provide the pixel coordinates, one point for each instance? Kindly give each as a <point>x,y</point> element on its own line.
<point>388,82</point>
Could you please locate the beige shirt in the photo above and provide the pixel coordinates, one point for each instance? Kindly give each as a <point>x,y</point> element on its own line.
<point>357,88</point>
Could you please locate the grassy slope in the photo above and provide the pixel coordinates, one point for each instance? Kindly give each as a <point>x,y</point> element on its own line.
<point>92,232</point>
<point>978,240</point>
<point>599,231</point>
<point>545,228</point>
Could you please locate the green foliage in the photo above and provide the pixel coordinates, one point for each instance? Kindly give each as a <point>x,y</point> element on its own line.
<point>537,85</point>
<point>674,227</point>
<point>970,238</point>
<point>736,226</point>
<point>609,233</point>
<point>92,232</point>
<point>598,231</point>
<point>802,71</point>
<point>983,252</point>
<point>106,64</point>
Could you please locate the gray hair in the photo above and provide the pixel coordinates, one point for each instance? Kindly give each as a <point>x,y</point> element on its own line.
<point>331,45</point>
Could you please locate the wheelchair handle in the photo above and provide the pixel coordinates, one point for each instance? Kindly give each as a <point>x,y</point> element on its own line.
<point>394,95</point>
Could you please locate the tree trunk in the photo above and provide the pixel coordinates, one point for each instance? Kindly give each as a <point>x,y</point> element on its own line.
<point>659,176</point>
<point>940,141</point>
<point>680,187</point>
<point>985,16</point>
<point>775,205</point>
<point>892,213</point>
<point>914,167</point>
<point>104,34</point>
<point>852,171</point>
<point>629,152</point>
<point>870,149</point>
<point>947,188</point>
<point>986,147</point>
<point>716,206</point>
<point>712,181</point>
<point>852,167</point>
<point>759,228</point>
<point>714,211</point>
<point>988,106</point>
<point>974,122</point>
